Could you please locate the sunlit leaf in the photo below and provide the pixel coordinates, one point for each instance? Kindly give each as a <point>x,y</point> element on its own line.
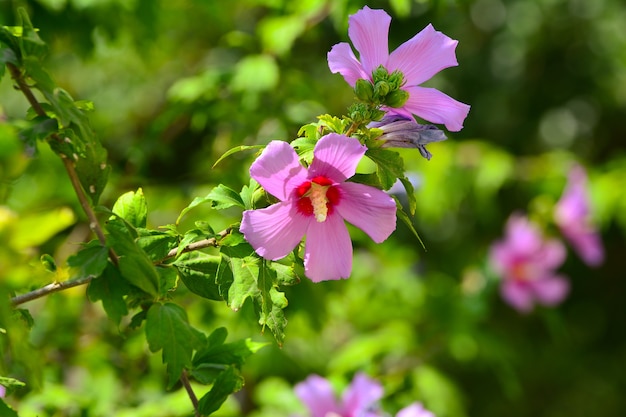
<point>132,207</point>
<point>198,273</point>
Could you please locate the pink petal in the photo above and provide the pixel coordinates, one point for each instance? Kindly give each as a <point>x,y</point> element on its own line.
<point>423,56</point>
<point>551,255</point>
<point>517,294</point>
<point>550,290</point>
<point>523,237</point>
<point>278,170</point>
<point>317,394</point>
<point>414,410</point>
<point>369,209</point>
<point>361,394</point>
<point>328,250</point>
<point>341,59</point>
<point>369,32</point>
<point>587,244</point>
<point>336,157</point>
<point>274,231</point>
<point>436,107</point>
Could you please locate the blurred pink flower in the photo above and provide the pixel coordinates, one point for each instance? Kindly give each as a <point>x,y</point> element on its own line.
<point>572,216</point>
<point>526,263</point>
<point>360,399</point>
<point>418,59</point>
<point>3,391</point>
<point>315,202</point>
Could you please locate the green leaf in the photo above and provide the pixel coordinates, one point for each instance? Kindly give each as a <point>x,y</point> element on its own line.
<point>235,150</point>
<point>223,197</point>
<point>401,214</point>
<point>90,260</point>
<point>6,411</point>
<point>135,266</point>
<point>92,169</point>
<point>132,207</point>
<point>410,194</point>
<point>167,328</point>
<point>30,42</point>
<point>304,148</point>
<point>40,129</point>
<point>196,202</point>
<point>227,382</point>
<point>167,279</point>
<point>155,244</point>
<point>390,166</point>
<point>198,272</point>
<point>249,194</point>
<point>190,237</point>
<point>110,288</point>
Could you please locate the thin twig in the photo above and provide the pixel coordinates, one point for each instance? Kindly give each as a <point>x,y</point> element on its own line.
<point>59,286</point>
<point>184,379</point>
<point>201,244</point>
<point>49,289</point>
<point>94,225</point>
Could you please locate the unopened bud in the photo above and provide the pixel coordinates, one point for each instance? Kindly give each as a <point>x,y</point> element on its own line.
<point>381,89</point>
<point>402,132</point>
<point>396,98</point>
<point>364,90</point>
<point>380,74</point>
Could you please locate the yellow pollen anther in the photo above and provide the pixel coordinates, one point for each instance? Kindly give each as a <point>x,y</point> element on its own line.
<point>317,194</point>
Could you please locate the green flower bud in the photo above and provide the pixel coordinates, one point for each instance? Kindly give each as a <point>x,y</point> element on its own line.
<point>396,98</point>
<point>364,90</point>
<point>381,89</point>
<point>380,74</point>
<point>396,80</point>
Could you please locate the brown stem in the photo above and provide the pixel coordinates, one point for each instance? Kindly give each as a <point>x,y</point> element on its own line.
<point>353,127</point>
<point>201,244</point>
<point>184,379</point>
<point>94,225</point>
<point>49,289</point>
<point>59,286</point>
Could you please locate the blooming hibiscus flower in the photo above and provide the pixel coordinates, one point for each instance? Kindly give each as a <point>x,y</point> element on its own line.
<point>360,399</point>
<point>418,59</point>
<point>573,218</point>
<point>526,262</point>
<point>315,202</point>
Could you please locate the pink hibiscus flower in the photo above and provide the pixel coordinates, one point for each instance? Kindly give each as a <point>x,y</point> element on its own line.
<point>418,59</point>
<point>360,399</point>
<point>315,202</point>
<point>526,262</point>
<point>572,216</point>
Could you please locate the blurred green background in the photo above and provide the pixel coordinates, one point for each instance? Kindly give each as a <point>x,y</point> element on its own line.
<point>176,83</point>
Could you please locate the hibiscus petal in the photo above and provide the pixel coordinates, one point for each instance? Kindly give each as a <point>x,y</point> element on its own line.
<point>328,250</point>
<point>369,209</point>
<point>369,32</point>
<point>336,157</point>
<point>423,56</point>
<point>317,394</point>
<point>341,59</point>
<point>587,243</point>
<point>518,295</point>
<point>361,394</point>
<point>436,107</point>
<point>414,410</point>
<point>274,231</point>
<point>550,290</point>
<point>552,255</point>
<point>278,170</point>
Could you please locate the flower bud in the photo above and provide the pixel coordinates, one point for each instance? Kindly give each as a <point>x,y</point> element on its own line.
<point>401,132</point>
<point>396,98</point>
<point>381,89</point>
<point>380,74</point>
<point>364,90</point>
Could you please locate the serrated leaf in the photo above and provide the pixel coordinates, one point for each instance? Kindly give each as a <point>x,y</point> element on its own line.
<point>167,329</point>
<point>223,197</point>
<point>110,288</point>
<point>390,166</point>
<point>304,148</point>
<point>157,245</point>
<point>227,382</point>
<point>134,264</point>
<point>198,272</point>
<point>91,260</point>
<point>132,207</point>
<point>235,150</point>
<point>30,42</point>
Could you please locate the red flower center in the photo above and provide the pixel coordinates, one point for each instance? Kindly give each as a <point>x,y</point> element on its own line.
<point>317,197</point>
